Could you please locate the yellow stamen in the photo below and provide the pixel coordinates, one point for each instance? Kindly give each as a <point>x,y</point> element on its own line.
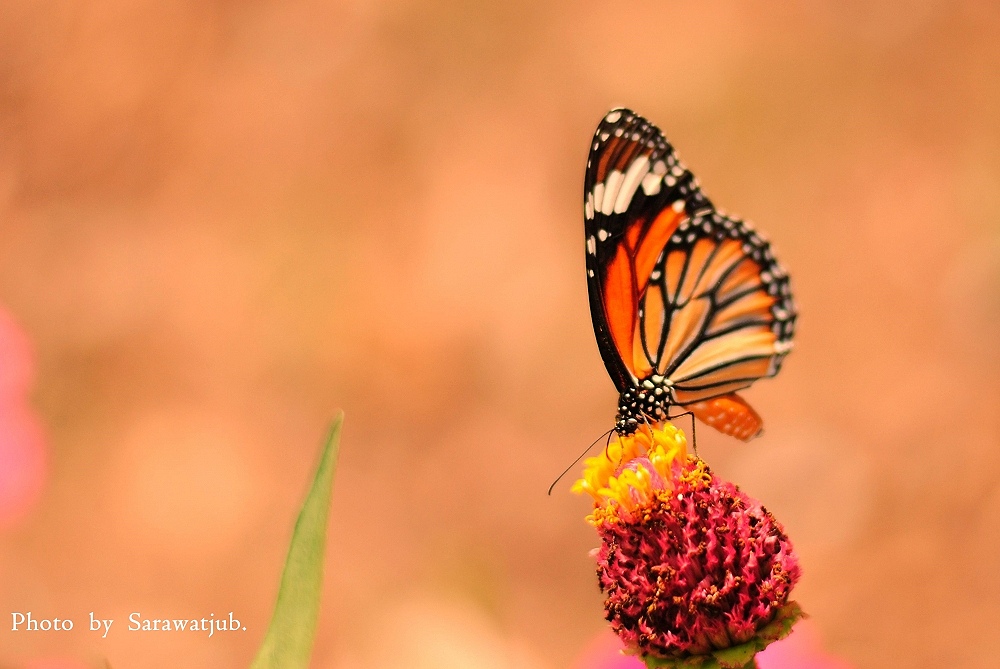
<point>697,475</point>
<point>614,487</point>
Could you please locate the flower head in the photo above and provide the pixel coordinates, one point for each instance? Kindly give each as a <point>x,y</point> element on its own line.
<point>689,564</point>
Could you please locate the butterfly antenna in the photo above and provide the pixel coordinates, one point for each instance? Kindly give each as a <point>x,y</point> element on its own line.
<point>607,444</point>
<point>578,458</point>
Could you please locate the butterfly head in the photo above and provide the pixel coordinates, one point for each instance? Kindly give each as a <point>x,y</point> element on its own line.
<point>645,403</point>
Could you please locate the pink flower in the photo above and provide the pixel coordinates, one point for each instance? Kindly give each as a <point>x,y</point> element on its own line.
<point>689,563</point>
<point>23,457</point>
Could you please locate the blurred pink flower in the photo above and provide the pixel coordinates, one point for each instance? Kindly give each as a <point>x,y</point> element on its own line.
<point>23,456</point>
<point>799,650</point>
<point>605,652</point>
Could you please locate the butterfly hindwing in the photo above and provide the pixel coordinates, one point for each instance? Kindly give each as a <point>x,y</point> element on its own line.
<point>731,314</point>
<point>729,414</point>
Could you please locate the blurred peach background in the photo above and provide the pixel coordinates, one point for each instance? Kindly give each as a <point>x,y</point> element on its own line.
<point>221,222</point>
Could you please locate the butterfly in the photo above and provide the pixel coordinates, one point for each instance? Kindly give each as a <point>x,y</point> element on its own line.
<point>689,304</point>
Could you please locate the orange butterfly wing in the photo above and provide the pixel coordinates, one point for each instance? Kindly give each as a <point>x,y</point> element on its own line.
<point>636,195</point>
<point>679,294</point>
<point>729,414</point>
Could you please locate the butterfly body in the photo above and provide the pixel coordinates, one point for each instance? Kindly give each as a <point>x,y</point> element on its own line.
<point>689,304</point>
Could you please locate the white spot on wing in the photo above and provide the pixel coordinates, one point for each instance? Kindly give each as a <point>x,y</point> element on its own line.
<point>602,234</point>
<point>590,272</point>
<point>613,116</point>
<point>678,206</point>
<point>636,171</point>
<point>591,245</point>
<point>651,184</point>
<point>598,195</point>
<point>614,182</point>
<point>588,208</point>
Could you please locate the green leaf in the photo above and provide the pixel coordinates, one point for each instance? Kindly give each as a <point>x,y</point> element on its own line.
<point>289,639</point>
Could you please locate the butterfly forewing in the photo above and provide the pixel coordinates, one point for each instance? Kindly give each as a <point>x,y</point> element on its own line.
<point>636,193</point>
<point>677,289</point>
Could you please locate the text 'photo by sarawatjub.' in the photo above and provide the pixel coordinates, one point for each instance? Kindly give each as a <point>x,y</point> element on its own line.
<point>689,307</point>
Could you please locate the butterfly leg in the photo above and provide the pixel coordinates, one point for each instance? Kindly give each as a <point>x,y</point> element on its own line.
<point>729,414</point>
<point>607,444</point>
<point>694,433</point>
